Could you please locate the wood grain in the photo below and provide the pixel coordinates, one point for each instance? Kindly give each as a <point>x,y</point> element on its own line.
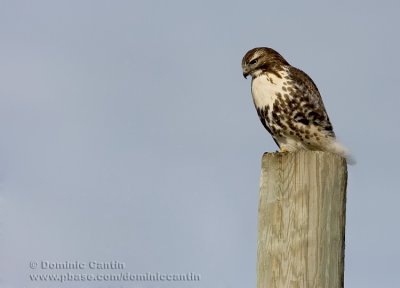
<point>301,225</point>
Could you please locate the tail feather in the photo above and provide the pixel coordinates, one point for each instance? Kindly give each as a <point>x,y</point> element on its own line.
<point>337,148</point>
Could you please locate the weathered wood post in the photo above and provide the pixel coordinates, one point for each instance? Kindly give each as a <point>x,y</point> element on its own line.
<point>301,224</point>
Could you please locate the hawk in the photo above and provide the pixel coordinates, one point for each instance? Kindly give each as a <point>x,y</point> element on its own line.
<point>289,104</point>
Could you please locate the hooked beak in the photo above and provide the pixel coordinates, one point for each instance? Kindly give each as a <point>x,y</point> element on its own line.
<point>245,71</point>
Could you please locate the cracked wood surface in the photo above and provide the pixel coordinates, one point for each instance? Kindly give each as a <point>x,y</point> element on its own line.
<point>301,224</point>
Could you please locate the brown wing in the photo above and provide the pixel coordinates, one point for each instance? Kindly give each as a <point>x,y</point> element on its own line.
<point>263,115</point>
<point>312,109</point>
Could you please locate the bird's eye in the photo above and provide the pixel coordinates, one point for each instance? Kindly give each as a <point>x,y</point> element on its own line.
<point>254,61</point>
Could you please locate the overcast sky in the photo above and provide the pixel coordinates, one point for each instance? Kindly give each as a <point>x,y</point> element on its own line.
<point>129,134</point>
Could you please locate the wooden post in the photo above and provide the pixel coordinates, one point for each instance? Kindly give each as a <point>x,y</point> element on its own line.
<point>301,224</point>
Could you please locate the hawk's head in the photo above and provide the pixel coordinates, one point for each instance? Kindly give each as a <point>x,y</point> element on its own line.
<point>261,59</point>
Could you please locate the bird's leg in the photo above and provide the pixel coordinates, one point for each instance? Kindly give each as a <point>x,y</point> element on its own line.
<point>283,149</point>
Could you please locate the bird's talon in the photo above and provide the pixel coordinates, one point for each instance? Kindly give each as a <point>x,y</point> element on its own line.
<point>283,150</point>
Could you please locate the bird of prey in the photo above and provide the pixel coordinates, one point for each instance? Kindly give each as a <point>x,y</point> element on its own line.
<point>289,104</point>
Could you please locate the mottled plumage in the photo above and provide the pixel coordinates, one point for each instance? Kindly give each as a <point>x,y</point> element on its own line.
<point>289,104</point>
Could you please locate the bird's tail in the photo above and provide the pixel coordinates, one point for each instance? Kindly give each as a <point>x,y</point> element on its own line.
<point>337,148</point>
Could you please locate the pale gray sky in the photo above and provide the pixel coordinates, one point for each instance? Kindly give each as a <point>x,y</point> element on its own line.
<point>129,133</point>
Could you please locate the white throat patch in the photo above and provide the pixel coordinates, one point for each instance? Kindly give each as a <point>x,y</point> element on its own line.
<point>265,87</point>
